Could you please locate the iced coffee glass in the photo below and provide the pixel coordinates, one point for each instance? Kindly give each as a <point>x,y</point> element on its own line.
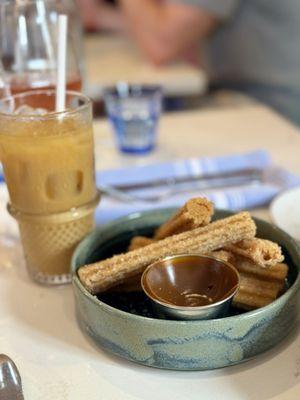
<point>48,163</point>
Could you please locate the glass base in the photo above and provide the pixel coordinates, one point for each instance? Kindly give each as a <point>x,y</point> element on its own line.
<point>49,240</point>
<point>50,280</point>
<point>136,150</point>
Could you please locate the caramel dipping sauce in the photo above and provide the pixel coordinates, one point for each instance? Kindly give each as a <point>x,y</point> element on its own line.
<point>190,281</point>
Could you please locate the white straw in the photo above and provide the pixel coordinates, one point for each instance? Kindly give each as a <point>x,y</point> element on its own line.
<point>61,63</point>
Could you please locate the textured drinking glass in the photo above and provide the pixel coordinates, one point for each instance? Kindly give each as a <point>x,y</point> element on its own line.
<point>134,113</point>
<point>48,163</point>
<point>28,45</point>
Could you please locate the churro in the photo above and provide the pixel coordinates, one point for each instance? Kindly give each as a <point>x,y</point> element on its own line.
<point>276,272</point>
<point>102,275</point>
<point>259,286</point>
<point>262,252</point>
<point>195,213</point>
<point>255,291</point>
<point>223,255</point>
<point>139,241</point>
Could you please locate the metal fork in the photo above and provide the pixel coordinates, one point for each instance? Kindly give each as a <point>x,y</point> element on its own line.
<point>10,380</point>
<point>173,189</point>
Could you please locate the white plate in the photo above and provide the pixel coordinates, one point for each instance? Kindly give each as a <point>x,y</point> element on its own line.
<point>285,212</point>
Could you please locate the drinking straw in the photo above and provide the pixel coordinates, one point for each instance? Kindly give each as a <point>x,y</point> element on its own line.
<point>45,31</point>
<point>61,63</point>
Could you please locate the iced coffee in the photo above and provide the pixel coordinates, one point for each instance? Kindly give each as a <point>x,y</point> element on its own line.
<point>48,163</point>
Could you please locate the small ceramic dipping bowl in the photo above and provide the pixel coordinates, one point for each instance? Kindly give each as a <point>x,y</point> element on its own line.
<point>190,286</point>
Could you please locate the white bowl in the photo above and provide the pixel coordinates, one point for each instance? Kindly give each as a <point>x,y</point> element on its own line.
<point>285,212</point>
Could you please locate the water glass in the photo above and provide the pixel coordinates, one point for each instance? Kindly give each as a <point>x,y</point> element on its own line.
<point>134,113</point>
<point>28,45</point>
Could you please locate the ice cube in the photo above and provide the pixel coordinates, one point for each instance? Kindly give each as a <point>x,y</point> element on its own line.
<point>27,110</point>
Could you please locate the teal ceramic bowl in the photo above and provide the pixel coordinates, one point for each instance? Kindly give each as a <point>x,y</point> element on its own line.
<point>125,324</point>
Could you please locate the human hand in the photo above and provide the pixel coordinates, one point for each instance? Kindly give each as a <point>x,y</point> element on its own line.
<point>89,13</point>
<point>98,15</point>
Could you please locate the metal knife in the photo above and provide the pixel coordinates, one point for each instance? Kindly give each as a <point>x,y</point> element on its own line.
<point>250,174</point>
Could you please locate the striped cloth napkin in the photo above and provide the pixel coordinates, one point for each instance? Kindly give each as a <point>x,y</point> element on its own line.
<point>276,179</point>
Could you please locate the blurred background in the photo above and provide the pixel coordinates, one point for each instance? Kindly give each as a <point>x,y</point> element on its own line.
<point>204,53</point>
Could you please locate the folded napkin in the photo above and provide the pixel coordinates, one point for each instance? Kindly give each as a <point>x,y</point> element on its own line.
<point>1,174</point>
<point>275,180</point>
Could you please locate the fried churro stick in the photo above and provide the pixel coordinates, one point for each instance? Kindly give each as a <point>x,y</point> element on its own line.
<point>259,286</point>
<point>276,272</point>
<point>139,241</point>
<point>251,301</point>
<point>262,252</point>
<point>223,255</point>
<point>195,213</point>
<point>102,275</point>
<point>255,291</point>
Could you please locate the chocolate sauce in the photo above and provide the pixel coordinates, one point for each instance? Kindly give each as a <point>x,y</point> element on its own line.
<point>190,281</point>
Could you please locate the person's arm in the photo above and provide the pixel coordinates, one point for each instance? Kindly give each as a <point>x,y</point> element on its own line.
<point>165,30</point>
<point>98,15</point>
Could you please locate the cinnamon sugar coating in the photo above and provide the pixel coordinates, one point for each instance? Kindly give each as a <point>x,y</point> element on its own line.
<point>195,213</point>
<point>262,252</point>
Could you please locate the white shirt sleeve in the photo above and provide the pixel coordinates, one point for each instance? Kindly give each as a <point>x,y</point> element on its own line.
<point>222,9</point>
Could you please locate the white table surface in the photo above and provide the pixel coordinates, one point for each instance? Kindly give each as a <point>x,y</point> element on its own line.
<point>37,324</point>
<point>112,58</point>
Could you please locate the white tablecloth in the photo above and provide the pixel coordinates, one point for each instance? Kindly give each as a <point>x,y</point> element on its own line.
<point>38,328</point>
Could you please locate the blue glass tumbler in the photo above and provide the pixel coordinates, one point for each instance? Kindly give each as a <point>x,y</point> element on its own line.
<point>134,112</point>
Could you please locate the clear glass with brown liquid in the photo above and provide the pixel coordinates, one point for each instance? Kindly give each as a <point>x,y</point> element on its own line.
<point>48,164</point>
